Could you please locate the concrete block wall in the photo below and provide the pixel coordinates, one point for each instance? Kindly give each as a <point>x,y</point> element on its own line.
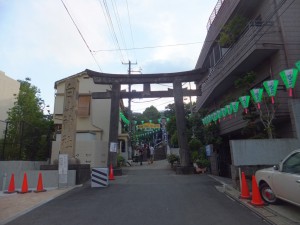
<point>50,178</point>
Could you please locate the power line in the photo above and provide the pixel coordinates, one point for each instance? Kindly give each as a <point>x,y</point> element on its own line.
<point>113,29</point>
<point>130,28</point>
<point>116,12</point>
<point>81,35</point>
<point>146,47</point>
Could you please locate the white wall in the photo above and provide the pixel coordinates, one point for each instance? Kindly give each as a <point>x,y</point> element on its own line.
<point>8,89</point>
<point>93,152</point>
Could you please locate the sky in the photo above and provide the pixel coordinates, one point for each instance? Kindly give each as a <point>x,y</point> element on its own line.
<point>49,40</point>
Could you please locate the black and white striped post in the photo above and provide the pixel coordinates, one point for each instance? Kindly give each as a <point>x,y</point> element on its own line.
<point>99,177</point>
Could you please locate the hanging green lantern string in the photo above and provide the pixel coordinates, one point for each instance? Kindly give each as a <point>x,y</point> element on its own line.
<point>257,96</point>
<point>229,110</point>
<point>271,88</point>
<point>219,112</point>
<point>298,65</point>
<point>245,102</point>
<point>211,117</point>
<point>235,107</point>
<point>124,119</point>
<point>289,78</point>
<point>215,116</point>
<point>224,112</point>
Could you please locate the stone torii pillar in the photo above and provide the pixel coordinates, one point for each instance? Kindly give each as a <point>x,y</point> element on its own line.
<point>181,125</point>
<point>114,123</point>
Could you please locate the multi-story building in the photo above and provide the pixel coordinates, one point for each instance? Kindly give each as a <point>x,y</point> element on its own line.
<point>267,43</point>
<point>9,89</point>
<point>92,126</point>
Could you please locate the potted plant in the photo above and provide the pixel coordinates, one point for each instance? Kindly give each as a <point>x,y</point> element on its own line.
<point>120,160</point>
<point>172,158</point>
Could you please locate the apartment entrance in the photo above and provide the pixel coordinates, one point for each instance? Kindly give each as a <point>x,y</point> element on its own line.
<point>115,94</point>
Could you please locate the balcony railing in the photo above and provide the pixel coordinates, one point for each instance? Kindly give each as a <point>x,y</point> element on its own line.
<point>253,37</point>
<point>214,13</point>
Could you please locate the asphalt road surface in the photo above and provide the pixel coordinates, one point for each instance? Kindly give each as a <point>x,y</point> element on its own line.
<point>144,197</point>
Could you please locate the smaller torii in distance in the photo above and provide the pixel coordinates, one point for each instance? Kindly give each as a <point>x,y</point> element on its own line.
<point>115,94</point>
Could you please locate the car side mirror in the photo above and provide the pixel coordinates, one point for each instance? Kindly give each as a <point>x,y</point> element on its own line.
<point>276,167</point>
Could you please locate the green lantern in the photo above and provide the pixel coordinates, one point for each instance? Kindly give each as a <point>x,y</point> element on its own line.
<point>271,88</point>
<point>229,110</point>
<point>245,102</point>
<point>298,65</point>
<point>289,78</point>
<point>224,112</point>
<point>210,116</point>
<point>215,116</point>
<point>257,95</point>
<point>220,115</point>
<point>235,106</point>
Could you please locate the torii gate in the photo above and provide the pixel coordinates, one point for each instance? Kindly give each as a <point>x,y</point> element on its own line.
<point>116,80</point>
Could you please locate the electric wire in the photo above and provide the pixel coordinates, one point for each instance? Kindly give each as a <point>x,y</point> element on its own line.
<point>149,47</point>
<point>116,12</point>
<point>109,23</point>
<point>130,27</point>
<point>91,52</point>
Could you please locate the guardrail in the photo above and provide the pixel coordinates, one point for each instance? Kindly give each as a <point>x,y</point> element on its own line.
<point>214,13</point>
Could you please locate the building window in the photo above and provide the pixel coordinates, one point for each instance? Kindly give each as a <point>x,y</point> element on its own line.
<point>84,105</point>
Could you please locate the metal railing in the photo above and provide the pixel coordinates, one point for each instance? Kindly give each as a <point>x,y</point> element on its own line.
<point>214,13</point>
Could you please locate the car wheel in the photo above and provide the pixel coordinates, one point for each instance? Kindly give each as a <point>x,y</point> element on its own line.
<point>267,194</point>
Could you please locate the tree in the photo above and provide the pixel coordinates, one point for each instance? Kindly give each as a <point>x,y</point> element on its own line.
<point>266,114</point>
<point>27,126</point>
<point>151,113</point>
<point>232,31</point>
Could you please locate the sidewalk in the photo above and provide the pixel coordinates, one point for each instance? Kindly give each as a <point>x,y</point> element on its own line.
<point>15,205</point>
<point>283,214</point>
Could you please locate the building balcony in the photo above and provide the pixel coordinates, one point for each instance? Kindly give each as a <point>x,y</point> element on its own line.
<point>258,42</point>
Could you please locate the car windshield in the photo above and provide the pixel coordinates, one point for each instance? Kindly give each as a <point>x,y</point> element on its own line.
<point>292,164</point>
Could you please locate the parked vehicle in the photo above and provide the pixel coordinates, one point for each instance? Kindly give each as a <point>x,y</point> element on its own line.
<point>282,181</point>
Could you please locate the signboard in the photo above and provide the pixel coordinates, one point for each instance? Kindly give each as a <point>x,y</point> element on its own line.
<point>113,147</point>
<point>149,126</point>
<point>63,170</point>
<point>209,150</point>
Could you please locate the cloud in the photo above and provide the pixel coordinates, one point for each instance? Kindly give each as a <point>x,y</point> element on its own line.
<point>41,42</point>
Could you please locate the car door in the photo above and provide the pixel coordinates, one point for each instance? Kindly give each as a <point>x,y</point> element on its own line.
<point>286,182</point>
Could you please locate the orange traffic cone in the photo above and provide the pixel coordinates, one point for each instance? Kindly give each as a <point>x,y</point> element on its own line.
<point>244,189</point>
<point>24,185</point>
<point>256,198</point>
<point>111,173</point>
<point>40,187</point>
<point>11,186</point>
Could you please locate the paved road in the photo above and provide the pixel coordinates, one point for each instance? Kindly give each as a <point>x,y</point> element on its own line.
<point>144,197</point>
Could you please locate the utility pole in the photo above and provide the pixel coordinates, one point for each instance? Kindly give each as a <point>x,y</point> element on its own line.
<point>129,103</point>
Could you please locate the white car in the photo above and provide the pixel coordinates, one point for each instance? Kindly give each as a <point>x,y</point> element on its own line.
<point>282,181</point>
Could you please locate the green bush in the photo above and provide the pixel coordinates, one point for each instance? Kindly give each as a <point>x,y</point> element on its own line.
<point>173,158</point>
<point>195,144</point>
<point>232,31</point>
<point>200,158</point>
<point>120,160</point>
